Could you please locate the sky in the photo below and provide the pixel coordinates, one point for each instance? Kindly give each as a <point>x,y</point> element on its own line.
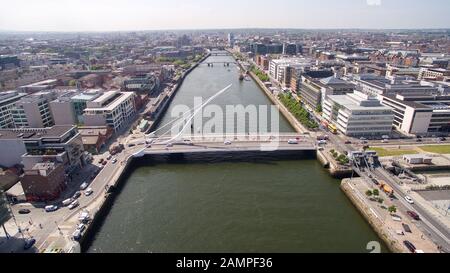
<point>124,15</point>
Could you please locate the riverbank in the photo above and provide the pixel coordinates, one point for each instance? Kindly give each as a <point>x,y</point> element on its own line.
<point>387,226</point>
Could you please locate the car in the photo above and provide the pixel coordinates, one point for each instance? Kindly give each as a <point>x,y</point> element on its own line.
<point>227,142</point>
<point>24,211</point>
<point>409,200</point>
<point>419,140</point>
<point>413,215</point>
<point>51,208</point>
<point>104,163</point>
<point>114,161</point>
<point>363,138</point>
<point>169,145</point>
<point>29,243</point>
<point>101,161</point>
<point>67,202</point>
<point>109,157</point>
<point>348,142</point>
<point>76,195</point>
<point>385,141</point>
<point>322,142</point>
<point>442,139</point>
<point>88,192</point>
<point>292,141</point>
<point>81,227</point>
<point>73,205</point>
<point>375,181</point>
<point>409,246</point>
<point>76,235</point>
<point>320,149</point>
<point>364,142</point>
<point>84,186</point>
<point>131,145</point>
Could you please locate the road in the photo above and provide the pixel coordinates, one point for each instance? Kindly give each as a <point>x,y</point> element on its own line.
<point>439,232</point>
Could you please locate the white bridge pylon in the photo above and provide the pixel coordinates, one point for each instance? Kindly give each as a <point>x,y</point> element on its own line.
<point>187,119</point>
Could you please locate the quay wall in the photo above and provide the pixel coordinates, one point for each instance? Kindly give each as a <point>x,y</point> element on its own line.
<point>377,225</point>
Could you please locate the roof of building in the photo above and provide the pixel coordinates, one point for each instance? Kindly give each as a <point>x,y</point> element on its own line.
<point>56,131</point>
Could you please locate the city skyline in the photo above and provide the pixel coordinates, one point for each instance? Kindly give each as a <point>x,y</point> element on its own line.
<point>101,15</point>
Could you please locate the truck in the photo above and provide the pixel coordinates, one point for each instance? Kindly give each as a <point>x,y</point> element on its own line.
<point>386,188</point>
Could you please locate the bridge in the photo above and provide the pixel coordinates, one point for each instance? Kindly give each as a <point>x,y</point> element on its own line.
<point>222,143</point>
<point>219,54</point>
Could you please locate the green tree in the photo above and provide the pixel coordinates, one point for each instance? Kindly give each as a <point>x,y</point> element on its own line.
<point>319,108</point>
<point>369,193</point>
<point>392,209</point>
<point>376,192</point>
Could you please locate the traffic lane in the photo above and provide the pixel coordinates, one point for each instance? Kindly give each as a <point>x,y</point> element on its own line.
<point>430,224</point>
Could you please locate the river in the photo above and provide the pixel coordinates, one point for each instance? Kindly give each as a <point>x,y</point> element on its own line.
<point>230,203</point>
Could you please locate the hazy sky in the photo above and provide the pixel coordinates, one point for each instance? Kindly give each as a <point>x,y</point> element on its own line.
<point>102,15</point>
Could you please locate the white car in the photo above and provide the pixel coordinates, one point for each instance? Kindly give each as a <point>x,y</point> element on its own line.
<point>88,192</point>
<point>51,208</point>
<point>81,227</point>
<point>73,205</point>
<point>322,142</point>
<point>84,186</point>
<point>227,142</point>
<point>292,141</point>
<point>114,161</point>
<point>409,200</point>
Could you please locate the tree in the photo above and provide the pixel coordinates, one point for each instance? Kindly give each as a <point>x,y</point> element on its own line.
<point>319,108</point>
<point>376,192</point>
<point>392,209</point>
<point>72,82</point>
<point>369,193</point>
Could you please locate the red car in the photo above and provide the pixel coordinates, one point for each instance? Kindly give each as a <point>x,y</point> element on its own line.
<point>414,215</point>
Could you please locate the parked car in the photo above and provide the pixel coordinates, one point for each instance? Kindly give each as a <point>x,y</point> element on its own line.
<point>29,243</point>
<point>375,181</point>
<point>227,142</point>
<point>413,215</point>
<point>101,161</point>
<point>84,186</point>
<point>410,246</point>
<point>419,140</point>
<point>348,142</point>
<point>81,227</point>
<point>114,161</point>
<point>24,211</point>
<point>50,208</point>
<point>88,192</point>
<point>76,195</point>
<point>74,204</point>
<point>109,157</point>
<point>67,202</point>
<point>292,141</point>
<point>104,163</point>
<point>409,200</point>
<point>76,235</point>
<point>407,228</point>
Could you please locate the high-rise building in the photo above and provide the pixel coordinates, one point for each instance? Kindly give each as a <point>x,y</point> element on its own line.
<point>230,39</point>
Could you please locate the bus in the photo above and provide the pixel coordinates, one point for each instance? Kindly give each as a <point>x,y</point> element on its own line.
<point>332,129</point>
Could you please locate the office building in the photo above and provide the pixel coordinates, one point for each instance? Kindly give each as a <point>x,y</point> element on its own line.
<point>113,108</point>
<point>7,102</point>
<point>33,111</point>
<point>313,91</point>
<point>358,114</point>
<point>29,146</point>
<point>420,114</point>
